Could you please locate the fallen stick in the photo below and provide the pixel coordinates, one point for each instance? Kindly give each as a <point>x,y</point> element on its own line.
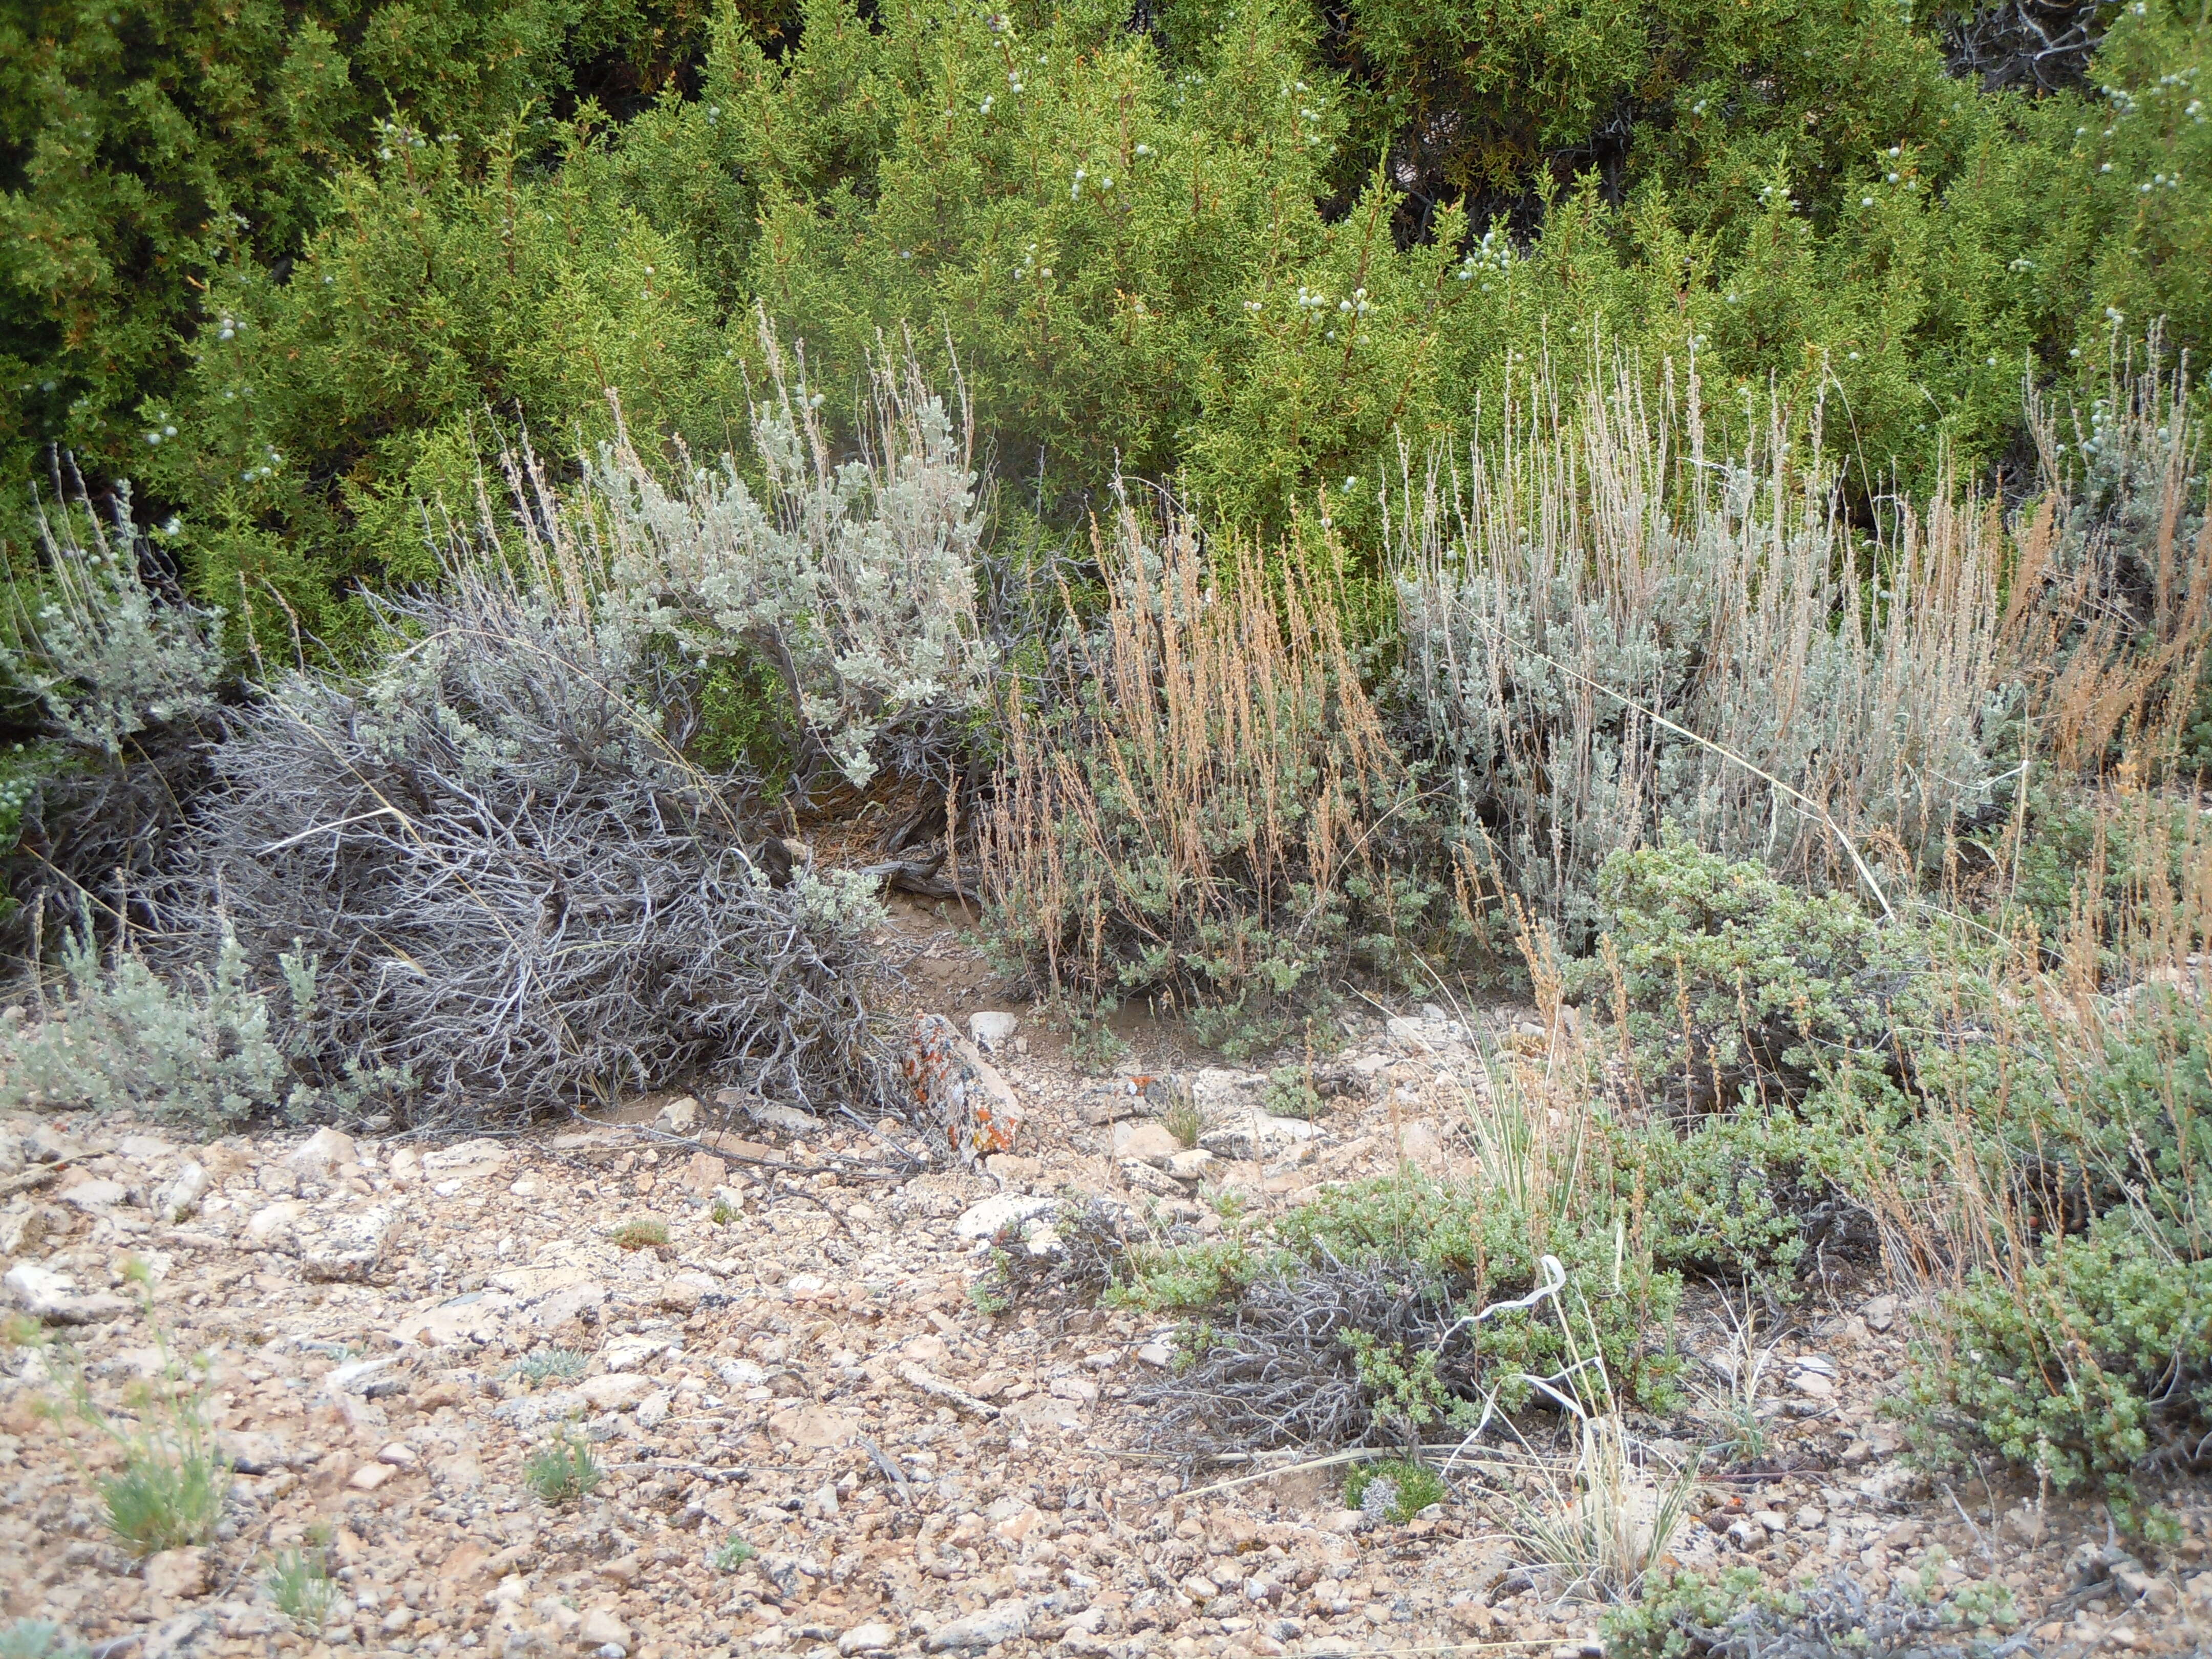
<point>937,1388</point>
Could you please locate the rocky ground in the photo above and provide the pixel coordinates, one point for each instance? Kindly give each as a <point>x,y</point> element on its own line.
<point>390,1328</point>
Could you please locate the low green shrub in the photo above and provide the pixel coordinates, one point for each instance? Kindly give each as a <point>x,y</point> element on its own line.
<point>1290,1093</point>
<point>1741,988</point>
<point>1750,1193</point>
<point>2093,1358</point>
<point>1394,1488</point>
<point>1481,1247</point>
<point>1738,1615</point>
<point>1161,1278</point>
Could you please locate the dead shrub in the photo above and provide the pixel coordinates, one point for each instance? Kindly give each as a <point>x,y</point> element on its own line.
<point>516,893</point>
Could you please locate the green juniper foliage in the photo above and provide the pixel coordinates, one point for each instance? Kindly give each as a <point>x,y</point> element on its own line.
<point>283,263</point>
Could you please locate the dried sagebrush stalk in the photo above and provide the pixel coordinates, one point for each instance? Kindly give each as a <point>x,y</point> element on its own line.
<point>117,677</point>
<point>1199,800</point>
<point>1607,630</point>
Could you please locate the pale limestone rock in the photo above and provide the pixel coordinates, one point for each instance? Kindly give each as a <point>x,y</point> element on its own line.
<point>53,1297</point>
<point>989,1030</point>
<point>182,1195</point>
<point>349,1246</point>
<point>616,1391</point>
<point>1003,1621</point>
<point>322,1153</point>
<point>1147,1141</point>
<point>176,1575</point>
<point>985,1219</point>
<point>681,1116</point>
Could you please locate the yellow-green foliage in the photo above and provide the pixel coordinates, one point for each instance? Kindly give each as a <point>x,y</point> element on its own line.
<point>1168,252</point>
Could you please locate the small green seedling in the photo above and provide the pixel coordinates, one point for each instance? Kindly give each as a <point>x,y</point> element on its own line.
<point>733,1553</point>
<point>563,1472</point>
<point>548,1364</point>
<point>301,1589</point>
<point>643,1233</point>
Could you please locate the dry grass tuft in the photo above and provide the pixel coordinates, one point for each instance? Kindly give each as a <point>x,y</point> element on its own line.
<point>1199,800</point>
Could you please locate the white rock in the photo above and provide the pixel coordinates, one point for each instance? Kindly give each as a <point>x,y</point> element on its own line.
<point>183,1195</point>
<point>1255,1134</point>
<point>989,1030</point>
<point>616,1391</point>
<point>94,1196</point>
<point>1156,1354</point>
<point>272,1223</point>
<point>679,1117</point>
<point>867,1638</point>
<point>348,1247</point>
<point>325,1150</point>
<point>1145,1140</point>
<point>366,1377</point>
<point>740,1373</point>
<point>1003,1622</point>
<point>822,1504</point>
<point>629,1353</point>
<point>984,1220</point>
<point>470,1157</point>
<point>47,1295</point>
<point>653,1410</point>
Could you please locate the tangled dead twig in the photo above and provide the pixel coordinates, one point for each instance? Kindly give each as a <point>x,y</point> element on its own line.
<point>1091,1242</point>
<point>517,895</point>
<point>1278,1370</point>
